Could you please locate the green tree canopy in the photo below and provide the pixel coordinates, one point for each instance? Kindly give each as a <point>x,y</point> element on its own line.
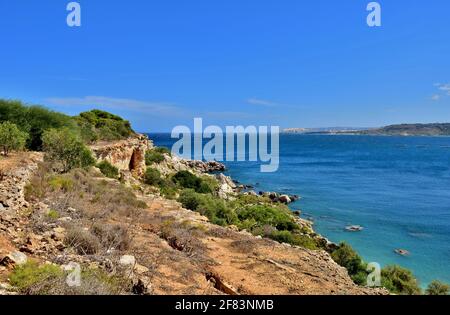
<point>66,149</point>
<point>399,280</point>
<point>11,138</point>
<point>438,288</point>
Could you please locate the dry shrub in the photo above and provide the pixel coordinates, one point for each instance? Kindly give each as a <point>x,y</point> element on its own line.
<point>83,241</point>
<point>182,237</point>
<point>244,245</point>
<point>112,236</point>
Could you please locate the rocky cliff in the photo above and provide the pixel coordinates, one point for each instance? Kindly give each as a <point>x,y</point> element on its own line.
<point>127,155</point>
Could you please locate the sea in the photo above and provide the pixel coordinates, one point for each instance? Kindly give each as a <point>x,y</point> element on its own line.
<point>396,188</point>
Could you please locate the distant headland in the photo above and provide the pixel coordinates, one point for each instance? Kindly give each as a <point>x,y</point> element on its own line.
<point>434,129</point>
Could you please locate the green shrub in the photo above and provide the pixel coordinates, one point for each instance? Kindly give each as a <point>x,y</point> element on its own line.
<point>399,280</point>
<point>153,157</point>
<point>64,148</point>
<point>34,279</point>
<point>11,138</point>
<point>29,275</point>
<point>268,215</point>
<point>293,239</point>
<point>108,170</point>
<point>215,209</point>
<point>347,257</point>
<point>61,182</point>
<point>53,214</point>
<point>189,199</point>
<point>152,177</point>
<point>163,150</point>
<point>438,288</point>
<point>168,188</point>
<point>186,179</point>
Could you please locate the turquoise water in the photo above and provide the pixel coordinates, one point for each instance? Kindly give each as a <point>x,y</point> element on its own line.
<point>397,188</point>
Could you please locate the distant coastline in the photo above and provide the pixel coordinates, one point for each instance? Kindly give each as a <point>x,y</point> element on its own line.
<point>434,129</point>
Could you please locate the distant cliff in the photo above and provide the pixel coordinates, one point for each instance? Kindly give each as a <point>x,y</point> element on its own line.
<point>436,129</point>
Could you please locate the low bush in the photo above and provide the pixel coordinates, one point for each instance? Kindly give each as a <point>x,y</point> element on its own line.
<point>267,215</point>
<point>32,279</point>
<point>61,182</point>
<point>108,169</point>
<point>213,208</point>
<point>53,214</point>
<point>152,177</point>
<point>186,179</point>
<point>293,239</point>
<point>399,280</point>
<point>154,156</point>
<point>112,236</point>
<point>83,241</point>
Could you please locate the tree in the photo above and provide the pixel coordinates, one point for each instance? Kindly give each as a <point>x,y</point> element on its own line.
<point>64,147</point>
<point>11,138</point>
<point>438,288</point>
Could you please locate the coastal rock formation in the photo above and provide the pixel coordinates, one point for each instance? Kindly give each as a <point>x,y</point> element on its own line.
<point>173,164</point>
<point>127,155</point>
<point>227,187</point>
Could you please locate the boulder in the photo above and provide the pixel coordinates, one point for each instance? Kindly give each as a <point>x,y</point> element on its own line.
<point>127,260</point>
<point>14,259</point>
<point>285,199</point>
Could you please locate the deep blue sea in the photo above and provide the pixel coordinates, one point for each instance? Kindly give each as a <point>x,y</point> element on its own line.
<point>397,188</point>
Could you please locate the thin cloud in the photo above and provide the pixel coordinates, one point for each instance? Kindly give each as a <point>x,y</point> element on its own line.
<point>164,109</point>
<point>261,102</point>
<point>435,97</point>
<point>445,88</point>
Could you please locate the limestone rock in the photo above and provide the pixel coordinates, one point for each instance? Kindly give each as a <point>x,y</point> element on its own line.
<point>14,259</point>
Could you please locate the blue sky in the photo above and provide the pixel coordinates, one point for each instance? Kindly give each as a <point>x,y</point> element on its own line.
<point>291,63</point>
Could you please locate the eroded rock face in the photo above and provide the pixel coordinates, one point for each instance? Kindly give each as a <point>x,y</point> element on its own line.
<point>127,155</point>
<point>14,180</point>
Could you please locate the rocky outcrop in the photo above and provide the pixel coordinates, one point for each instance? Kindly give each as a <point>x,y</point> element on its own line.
<point>173,164</point>
<point>227,188</point>
<point>127,155</point>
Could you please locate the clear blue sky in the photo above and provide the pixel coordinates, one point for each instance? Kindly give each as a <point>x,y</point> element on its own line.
<point>291,63</point>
